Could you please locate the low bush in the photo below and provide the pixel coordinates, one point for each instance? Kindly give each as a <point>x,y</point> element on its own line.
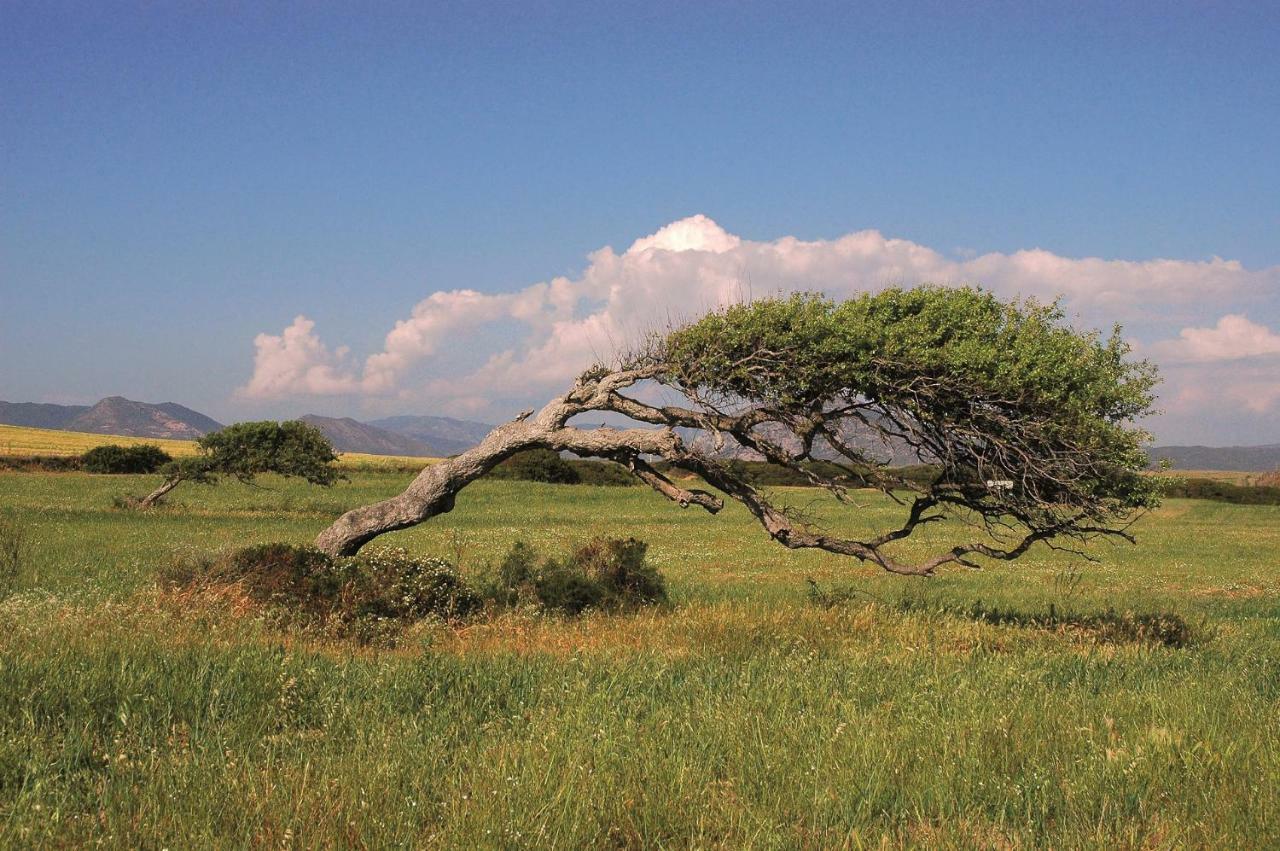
<point>609,574</point>
<point>373,596</point>
<point>370,597</point>
<point>111,458</point>
<point>1220,491</point>
<point>1165,629</point>
<point>40,463</point>
<point>537,465</point>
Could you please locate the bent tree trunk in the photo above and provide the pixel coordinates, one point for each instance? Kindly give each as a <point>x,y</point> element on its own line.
<point>435,488</point>
<point>151,499</point>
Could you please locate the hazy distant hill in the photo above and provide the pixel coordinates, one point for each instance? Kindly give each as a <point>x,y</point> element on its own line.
<point>39,415</point>
<point>1239,458</point>
<point>118,415</point>
<point>348,435</point>
<point>445,435</point>
<point>113,415</point>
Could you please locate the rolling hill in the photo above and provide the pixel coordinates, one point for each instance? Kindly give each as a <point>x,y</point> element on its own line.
<point>112,415</point>
<point>445,435</point>
<point>39,415</point>
<point>348,435</point>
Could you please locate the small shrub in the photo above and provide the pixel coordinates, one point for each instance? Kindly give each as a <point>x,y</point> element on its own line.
<point>609,574</point>
<point>40,463</point>
<point>1166,629</point>
<point>619,566</point>
<point>514,580</point>
<point>562,587</point>
<point>111,458</point>
<point>390,583</point>
<point>370,597</point>
<point>301,578</point>
<point>538,465</point>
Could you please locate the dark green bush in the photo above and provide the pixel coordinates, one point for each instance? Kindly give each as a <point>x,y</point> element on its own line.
<point>562,587</point>
<point>609,574</point>
<point>300,578</point>
<point>144,458</point>
<point>538,465</point>
<point>40,463</point>
<point>373,596</point>
<point>619,566</point>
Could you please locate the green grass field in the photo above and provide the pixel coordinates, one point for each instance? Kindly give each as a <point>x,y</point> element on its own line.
<point>741,717</point>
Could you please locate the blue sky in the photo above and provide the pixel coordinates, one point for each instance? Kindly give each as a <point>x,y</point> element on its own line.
<point>180,183</point>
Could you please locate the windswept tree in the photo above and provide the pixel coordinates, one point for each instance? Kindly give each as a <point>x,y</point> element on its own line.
<point>245,450</point>
<point>1029,423</point>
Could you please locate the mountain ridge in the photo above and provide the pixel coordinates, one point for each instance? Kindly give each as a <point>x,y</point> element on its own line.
<point>1244,459</point>
<point>446,435</point>
<point>351,435</point>
<point>112,415</point>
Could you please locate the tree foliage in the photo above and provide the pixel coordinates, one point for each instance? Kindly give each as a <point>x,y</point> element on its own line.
<point>1029,423</point>
<point>246,450</point>
<point>112,458</point>
<point>989,391</point>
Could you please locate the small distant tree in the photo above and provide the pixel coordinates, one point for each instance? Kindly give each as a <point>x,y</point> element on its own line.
<point>245,450</point>
<point>1028,424</point>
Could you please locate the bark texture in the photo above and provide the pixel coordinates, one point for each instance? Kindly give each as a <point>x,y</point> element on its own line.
<point>435,488</point>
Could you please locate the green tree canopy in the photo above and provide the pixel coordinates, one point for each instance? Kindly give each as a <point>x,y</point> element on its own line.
<point>1031,425</point>
<point>246,450</point>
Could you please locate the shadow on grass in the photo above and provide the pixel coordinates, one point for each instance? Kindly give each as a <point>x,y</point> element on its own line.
<point>1164,629</point>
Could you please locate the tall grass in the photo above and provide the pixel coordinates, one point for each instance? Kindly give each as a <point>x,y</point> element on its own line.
<point>744,716</point>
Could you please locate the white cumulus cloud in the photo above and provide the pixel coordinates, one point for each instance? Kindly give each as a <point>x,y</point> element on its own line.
<point>553,329</point>
<point>1234,337</point>
<point>297,363</point>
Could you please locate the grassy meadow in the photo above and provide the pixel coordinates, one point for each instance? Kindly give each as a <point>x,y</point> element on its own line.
<point>742,716</point>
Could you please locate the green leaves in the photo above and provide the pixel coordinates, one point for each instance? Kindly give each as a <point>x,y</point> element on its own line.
<point>245,450</point>
<point>991,389</point>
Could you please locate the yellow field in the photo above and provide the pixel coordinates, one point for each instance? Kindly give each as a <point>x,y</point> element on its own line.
<point>20,440</point>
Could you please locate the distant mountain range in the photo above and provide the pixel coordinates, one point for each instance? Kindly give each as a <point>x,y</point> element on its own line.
<point>407,435</point>
<point>348,435</point>
<point>1247,459</point>
<point>113,415</point>
<point>445,435</point>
